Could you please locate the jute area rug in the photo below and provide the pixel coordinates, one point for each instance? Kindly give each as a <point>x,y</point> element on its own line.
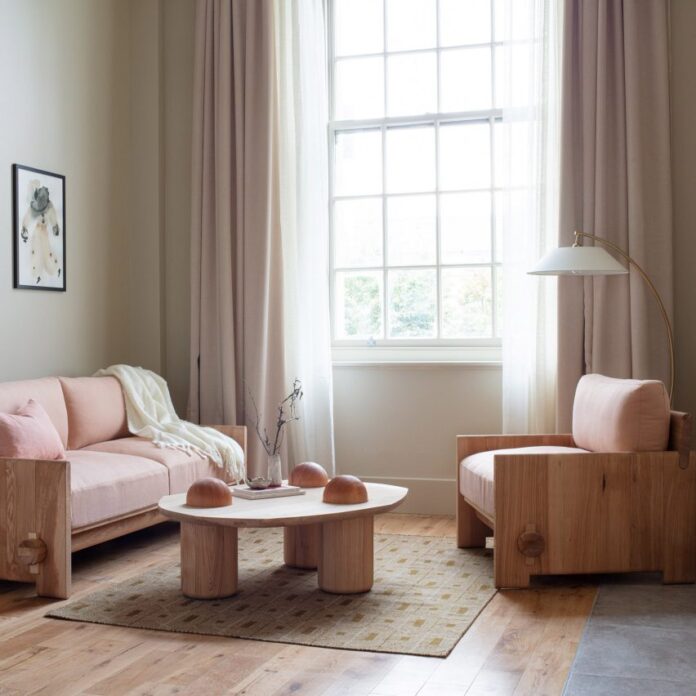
<point>426,594</point>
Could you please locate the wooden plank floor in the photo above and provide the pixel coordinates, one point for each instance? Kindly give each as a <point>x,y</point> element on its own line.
<point>522,643</point>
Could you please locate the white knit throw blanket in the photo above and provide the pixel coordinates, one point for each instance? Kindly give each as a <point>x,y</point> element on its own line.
<point>151,415</point>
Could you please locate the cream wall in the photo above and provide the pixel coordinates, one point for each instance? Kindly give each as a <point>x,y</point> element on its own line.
<point>145,273</point>
<point>64,97</point>
<point>161,58</point>
<point>177,56</point>
<point>99,68</point>
<point>684,199</point>
<point>398,424</point>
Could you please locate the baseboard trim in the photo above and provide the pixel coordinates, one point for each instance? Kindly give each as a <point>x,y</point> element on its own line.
<point>426,496</point>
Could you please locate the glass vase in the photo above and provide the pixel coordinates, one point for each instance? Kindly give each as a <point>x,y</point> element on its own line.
<point>275,471</point>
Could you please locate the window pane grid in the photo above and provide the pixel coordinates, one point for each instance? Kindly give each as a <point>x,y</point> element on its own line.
<point>424,267</point>
<point>472,285</point>
<point>416,51</point>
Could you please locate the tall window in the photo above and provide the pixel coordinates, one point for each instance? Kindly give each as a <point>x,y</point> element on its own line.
<point>415,249</point>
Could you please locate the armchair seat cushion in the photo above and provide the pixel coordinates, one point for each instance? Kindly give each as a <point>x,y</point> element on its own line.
<point>106,485</point>
<point>183,468</point>
<point>476,473</point>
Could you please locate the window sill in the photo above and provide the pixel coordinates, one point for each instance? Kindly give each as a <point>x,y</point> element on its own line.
<point>401,356</point>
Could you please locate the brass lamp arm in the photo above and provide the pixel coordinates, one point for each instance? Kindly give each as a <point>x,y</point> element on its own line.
<point>653,289</point>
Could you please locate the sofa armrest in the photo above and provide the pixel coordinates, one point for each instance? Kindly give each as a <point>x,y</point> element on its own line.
<point>35,524</point>
<point>236,432</point>
<point>471,444</point>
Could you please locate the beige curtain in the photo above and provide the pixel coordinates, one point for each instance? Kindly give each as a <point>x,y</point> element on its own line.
<point>236,252</point>
<point>259,309</point>
<point>615,183</point>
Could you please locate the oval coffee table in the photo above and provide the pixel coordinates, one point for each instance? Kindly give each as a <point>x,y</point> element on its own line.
<point>343,533</point>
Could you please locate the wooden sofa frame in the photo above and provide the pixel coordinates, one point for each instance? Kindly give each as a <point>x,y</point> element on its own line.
<point>558,514</point>
<point>36,538</point>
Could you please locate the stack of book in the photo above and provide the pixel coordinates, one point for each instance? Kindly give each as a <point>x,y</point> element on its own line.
<point>243,491</point>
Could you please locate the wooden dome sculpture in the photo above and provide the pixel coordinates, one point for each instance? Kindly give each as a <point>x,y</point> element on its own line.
<point>209,492</point>
<point>345,490</point>
<point>308,475</point>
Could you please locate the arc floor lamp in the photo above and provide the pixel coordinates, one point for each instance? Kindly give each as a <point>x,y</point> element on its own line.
<point>579,260</point>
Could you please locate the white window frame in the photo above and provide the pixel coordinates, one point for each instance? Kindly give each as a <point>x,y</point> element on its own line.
<point>414,350</point>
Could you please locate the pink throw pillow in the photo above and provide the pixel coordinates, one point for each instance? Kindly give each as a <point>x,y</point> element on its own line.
<point>29,434</point>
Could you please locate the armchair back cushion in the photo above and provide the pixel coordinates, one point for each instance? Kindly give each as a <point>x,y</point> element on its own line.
<point>46,391</point>
<point>96,410</point>
<point>620,415</point>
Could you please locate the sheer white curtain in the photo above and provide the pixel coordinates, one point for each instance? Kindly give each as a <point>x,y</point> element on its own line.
<point>303,118</point>
<point>528,170</point>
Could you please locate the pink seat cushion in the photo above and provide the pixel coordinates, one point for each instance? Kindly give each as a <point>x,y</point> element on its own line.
<point>476,473</point>
<point>105,486</point>
<point>96,410</point>
<point>620,415</point>
<point>47,392</point>
<point>29,434</point>
<point>183,468</point>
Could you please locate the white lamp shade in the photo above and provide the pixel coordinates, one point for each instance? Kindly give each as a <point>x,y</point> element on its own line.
<point>578,260</point>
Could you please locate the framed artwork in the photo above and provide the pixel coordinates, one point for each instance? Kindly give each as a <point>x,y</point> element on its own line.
<point>38,229</point>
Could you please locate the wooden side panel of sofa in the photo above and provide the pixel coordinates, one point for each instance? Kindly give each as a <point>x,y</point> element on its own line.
<point>35,524</point>
<point>236,432</point>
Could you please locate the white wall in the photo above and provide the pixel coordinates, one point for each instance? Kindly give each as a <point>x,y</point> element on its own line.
<point>398,424</point>
<point>177,56</point>
<point>64,96</point>
<point>145,238</point>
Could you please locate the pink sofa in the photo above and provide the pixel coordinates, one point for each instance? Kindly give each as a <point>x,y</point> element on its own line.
<point>109,485</point>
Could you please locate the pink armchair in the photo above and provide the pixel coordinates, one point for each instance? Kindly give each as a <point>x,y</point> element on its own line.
<point>616,495</point>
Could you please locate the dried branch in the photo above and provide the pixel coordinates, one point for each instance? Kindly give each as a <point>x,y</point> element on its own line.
<point>265,440</point>
<point>283,418</point>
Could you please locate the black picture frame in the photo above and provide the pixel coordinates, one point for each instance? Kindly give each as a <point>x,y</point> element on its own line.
<point>20,211</point>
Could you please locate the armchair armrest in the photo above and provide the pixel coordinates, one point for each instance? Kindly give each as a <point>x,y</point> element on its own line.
<point>680,436</point>
<point>594,512</point>
<point>471,444</point>
<point>472,523</point>
<point>35,524</point>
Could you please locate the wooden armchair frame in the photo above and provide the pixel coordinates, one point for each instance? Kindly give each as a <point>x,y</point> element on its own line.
<point>36,536</point>
<point>598,512</point>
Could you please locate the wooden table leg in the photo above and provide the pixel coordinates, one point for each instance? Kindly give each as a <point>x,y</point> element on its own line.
<point>346,560</point>
<point>208,560</point>
<point>302,544</point>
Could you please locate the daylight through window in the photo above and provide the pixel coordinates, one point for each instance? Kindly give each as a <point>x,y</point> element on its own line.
<point>414,242</point>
